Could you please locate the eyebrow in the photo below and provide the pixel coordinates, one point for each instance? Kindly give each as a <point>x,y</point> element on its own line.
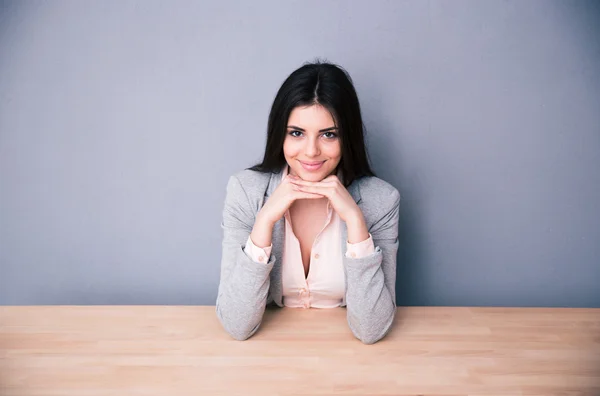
<point>333,128</point>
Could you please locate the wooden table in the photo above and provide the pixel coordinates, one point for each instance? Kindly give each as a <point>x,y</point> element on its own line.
<point>182,350</point>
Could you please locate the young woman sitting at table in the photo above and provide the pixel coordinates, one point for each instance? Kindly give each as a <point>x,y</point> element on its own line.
<point>311,226</point>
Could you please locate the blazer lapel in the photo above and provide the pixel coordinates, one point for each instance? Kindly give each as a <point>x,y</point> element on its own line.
<point>278,236</point>
<point>354,190</point>
<point>277,239</point>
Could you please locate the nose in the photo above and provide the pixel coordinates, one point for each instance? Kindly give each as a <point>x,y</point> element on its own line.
<point>312,147</point>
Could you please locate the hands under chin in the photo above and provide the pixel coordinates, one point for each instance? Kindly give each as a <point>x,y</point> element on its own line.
<point>340,200</point>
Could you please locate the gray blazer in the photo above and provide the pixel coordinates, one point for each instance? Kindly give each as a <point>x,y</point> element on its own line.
<point>246,286</point>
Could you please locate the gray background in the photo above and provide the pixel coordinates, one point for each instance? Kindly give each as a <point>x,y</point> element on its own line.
<point>120,122</point>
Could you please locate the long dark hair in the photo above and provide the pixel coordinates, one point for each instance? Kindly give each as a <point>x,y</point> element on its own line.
<point>330,86</point>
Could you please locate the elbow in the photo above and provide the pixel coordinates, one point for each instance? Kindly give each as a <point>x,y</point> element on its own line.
<point>369,338</point>
<point>239,335</point>
<point>237,329</point>
<point>370,341</point>
<point>242,333</point>
<point>370,331</point>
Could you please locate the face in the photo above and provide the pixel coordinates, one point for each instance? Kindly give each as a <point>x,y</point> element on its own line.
<point>312,145</point>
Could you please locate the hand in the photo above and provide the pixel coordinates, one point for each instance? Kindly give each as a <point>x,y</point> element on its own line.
<point>340,199</point>
<point>282,198</point>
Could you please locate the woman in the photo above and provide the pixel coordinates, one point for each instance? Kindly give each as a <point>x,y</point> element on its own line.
<point>311,226</point>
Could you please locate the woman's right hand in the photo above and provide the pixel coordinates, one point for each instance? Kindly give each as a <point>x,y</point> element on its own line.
<point>280,201</point>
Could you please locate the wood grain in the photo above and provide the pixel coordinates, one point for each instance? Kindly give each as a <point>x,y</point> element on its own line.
<point>182,350</point>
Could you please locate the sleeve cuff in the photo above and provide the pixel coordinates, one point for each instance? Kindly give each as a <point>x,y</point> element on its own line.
<point>260,255</point>
<point>360,249</point>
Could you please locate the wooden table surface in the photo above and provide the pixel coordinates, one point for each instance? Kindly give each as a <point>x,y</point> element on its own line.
<point>182,350</point>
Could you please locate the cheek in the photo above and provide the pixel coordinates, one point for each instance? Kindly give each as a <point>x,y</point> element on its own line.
<point>334,150</point>
<point>286,149</point>
<point>289,148</point>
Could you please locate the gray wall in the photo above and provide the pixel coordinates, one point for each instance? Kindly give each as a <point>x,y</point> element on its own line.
<point>120,122</point>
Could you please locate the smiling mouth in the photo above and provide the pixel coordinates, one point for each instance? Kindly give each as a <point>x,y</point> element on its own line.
<point>312,163</point>
<point>311,166</point>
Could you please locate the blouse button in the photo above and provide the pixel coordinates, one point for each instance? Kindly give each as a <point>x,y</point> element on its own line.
<point>302,291</point>
<point>353,255</point>
<point>261,259</point>
<point>317,256</point>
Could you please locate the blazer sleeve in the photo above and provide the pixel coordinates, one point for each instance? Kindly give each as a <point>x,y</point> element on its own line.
<point>244,283</point>
<point>371,280</point>
<point>360,249</point>
<point>256,253</point>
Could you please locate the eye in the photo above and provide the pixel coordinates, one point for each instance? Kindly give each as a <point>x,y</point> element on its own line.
<point>331,135</point>
<point>292,133</point>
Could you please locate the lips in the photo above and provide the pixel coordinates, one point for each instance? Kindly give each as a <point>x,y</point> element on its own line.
<point>312,163</point>
<point>312,166</point>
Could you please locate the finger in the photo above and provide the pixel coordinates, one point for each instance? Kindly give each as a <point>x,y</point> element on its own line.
<point>305,195</point>
<point>325,191</point>
<point>310,189</point>
<point>309,183</point>
<point>299,192</point>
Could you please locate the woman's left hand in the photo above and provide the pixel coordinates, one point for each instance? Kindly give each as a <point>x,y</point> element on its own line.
<point>340,199</point>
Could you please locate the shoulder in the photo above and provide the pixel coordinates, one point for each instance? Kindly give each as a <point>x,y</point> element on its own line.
<point>374,189</point>
<point>249,182</point>
<point>248,176</point>
<point>380,205</point>
<point>378,199</point>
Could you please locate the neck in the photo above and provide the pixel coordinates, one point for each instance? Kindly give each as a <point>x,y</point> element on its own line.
<point>309,203</point>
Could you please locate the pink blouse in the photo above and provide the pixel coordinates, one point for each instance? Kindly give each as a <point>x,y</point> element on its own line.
<point>324,286</point>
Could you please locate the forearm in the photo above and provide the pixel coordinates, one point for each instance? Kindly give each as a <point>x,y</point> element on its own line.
<point>370,304</point>
<point>242,294</point>
<point>262,232</point>
<point>357,228</point>
<point>370,294</point>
